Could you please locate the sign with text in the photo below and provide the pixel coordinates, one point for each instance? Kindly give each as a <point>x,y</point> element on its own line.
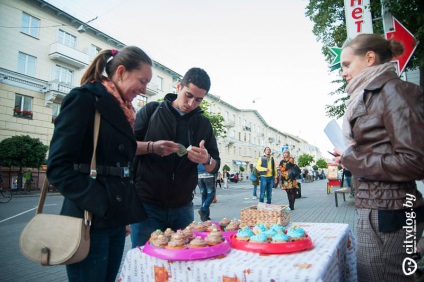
<point>358,17</point>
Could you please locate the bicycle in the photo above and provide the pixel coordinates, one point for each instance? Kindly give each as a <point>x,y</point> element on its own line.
<point>5,195</point>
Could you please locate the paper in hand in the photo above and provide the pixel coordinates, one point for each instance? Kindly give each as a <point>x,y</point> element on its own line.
<point>335,134</point>
<point>182,150</point>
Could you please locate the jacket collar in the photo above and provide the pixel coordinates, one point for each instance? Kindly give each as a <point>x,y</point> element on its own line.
<point>374,86</point>
<point>109,108</point>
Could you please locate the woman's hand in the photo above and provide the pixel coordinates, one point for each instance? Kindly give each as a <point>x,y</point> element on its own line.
<point>337,153</point>
<point>127,230</point>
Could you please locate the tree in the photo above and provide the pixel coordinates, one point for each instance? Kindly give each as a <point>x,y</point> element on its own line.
<point>216,120</point>
<point>226,167</point>
<point>330,28</point>
<point>305,160</point>
<point>321,163</point>
<point>22,151</point>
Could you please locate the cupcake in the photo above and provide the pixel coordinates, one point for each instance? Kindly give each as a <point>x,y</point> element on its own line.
<point>189,233</point>
<point>200,227</point>
<point>180,233</point>
<point>232,226</point>
<point>296,233</point>
<point>244,234</point>
<point>214,238</point>
<point>160,241</point>
<point>259,228</point>
<point>280,237</point>
<point>177,242</point>
<point>191,225</point>
<point>197,242</point>
<point>259,238</point>
<point>269,233</point>
<point>224,222</point>
<point>278,227</point>
<point>168,233</point>
<point>155,234</point>
<point>212,227</point>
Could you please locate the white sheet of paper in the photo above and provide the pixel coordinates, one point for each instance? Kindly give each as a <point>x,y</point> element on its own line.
<point>335,134</point>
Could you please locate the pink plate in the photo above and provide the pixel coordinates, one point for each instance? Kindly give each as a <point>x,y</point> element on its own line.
<point>187,254</point>
<point>269,248</point>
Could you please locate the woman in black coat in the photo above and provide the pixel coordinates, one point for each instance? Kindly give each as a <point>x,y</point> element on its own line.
<point>109,85</point>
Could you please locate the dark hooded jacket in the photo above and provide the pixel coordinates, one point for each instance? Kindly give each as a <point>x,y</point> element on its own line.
<point>170,181</point>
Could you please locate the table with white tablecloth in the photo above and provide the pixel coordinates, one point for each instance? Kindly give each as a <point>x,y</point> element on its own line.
<point>332,258</point>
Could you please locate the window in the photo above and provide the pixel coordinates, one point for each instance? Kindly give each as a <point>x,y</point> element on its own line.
<point>55,111</point>
<point>141,100</point>
<point>94,51</point>
<point>67,39</point>
<point>62,74</point>
<point>23,106</point>
<point>30,25</point>
<point>159,81</point>
<point>26,64</point>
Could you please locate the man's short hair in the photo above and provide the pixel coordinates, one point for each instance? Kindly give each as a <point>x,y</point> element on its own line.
<point>198,77</point>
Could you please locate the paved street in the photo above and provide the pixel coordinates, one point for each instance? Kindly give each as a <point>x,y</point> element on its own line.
<point>314,206</point>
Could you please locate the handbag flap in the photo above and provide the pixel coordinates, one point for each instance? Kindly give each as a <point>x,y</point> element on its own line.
<point>62,235</point>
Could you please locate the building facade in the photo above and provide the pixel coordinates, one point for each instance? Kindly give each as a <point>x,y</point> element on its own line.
<point>45,52</point>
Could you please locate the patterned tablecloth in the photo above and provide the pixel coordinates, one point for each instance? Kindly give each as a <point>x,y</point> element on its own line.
<point>332,259</point>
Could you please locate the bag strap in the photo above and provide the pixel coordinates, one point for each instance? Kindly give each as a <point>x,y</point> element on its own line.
<point>93,173</point>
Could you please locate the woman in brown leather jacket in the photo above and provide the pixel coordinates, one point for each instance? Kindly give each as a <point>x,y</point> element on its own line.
<point>383,128</point>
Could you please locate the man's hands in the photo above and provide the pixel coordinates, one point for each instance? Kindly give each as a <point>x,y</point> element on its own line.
<point>199,154</point>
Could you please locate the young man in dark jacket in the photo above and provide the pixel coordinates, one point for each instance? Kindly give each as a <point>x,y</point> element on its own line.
<point>166,173</point>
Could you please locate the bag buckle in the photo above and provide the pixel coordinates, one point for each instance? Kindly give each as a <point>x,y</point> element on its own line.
<point>125,172</point>
<point>93,173</point>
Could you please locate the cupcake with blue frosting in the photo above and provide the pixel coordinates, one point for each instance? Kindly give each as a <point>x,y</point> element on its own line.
<point>280,238</point>
<point>259,228</point>
<point>244,234</point>
<point>259,238</point>
<point>296,233</point>
<point>278,227</point>
<point>269,233</point>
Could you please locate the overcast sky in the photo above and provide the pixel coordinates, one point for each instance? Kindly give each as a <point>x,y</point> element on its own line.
<point>250,48</point>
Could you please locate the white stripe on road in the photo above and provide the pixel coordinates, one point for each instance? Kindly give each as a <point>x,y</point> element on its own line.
<point>6,219</point>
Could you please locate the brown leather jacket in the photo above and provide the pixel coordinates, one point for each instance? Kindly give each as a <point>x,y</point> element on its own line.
<point>388,128</point>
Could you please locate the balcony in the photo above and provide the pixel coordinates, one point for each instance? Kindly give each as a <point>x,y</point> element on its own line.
<point>229,123</point>
<point>271,139</point>
<point>64,54</point>
<point>152,89</point>
<point>56,89</point>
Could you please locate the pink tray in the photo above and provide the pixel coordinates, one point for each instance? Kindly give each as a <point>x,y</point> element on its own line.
<point>269,248</point>
<point>187,254</point>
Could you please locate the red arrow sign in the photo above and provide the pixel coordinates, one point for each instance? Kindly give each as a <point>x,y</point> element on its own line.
<point>400,33</point>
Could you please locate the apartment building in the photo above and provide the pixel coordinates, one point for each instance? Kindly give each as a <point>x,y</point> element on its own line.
<point>44,53</point>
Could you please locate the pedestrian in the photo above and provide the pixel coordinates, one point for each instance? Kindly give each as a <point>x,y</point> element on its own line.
<point>206,182</point>
<point>28,181</point>
<point>255,181</point>
<point>165,181</point>
<point>218,179</point>
<point>288,177</point>
<point>225,177</point>
<point>383,118</point>
<point>110,83</point>
<point>268,175</point>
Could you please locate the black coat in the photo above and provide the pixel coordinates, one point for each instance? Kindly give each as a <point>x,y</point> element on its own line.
<point>72,145</point>
<point>170,181</point>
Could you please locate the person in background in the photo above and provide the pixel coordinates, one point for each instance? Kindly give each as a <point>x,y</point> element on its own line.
<point>288,180</point>
<point>383,118</point>
<point>206,182</point>
<point>268,175</point>
<point>110,83</point>
<point>225,177</point>
<point>218,177</point>
<point>256,182</point>
<point>28,180</point>
<point>164,180</point>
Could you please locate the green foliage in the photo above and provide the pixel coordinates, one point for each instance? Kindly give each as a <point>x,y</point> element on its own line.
<point>23,151</point>
<point>321,163</point>
<point>216,120</point>
<point>226,167</point>
<point>305,160</point>
<point>315,167</point>
<point>241,169</point>
<point>330,29</point>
